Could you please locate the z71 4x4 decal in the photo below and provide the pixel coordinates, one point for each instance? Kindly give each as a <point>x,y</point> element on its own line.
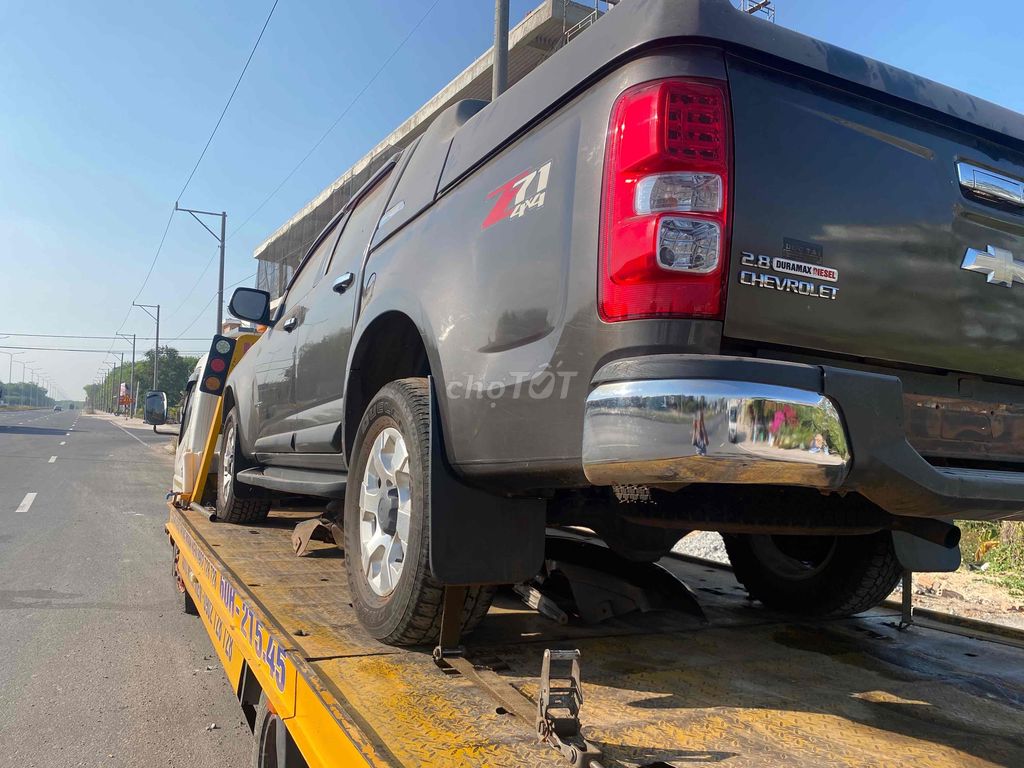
<point>520,194</point>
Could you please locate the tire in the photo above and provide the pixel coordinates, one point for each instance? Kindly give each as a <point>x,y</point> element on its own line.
<point>237,502</point>
<point>826,576</point>
<point>393,594</point>
<point>272,745</point>
<point>189,605</point>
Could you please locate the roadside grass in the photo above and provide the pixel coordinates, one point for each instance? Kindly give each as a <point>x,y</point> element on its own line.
<point>1001,546</point>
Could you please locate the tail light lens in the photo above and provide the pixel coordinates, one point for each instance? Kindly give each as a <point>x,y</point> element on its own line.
<point>664,233</point>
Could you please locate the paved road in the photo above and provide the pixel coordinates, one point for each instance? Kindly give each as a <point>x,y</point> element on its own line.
<point>98,666</point>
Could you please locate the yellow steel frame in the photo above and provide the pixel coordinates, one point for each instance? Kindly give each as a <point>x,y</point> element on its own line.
<point>242,345</point>
<point>243,631</point>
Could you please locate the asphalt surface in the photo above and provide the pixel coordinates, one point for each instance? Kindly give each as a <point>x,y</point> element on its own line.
<point>99,666</point>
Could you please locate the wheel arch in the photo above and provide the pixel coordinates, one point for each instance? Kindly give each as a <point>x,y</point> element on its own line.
<point>232,401</point>
<point>408,356</point>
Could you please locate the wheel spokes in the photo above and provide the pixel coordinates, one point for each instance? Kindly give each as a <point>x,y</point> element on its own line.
<point>385,504</point>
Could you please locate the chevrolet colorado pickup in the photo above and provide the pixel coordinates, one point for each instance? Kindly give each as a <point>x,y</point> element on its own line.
<point>694,272</point>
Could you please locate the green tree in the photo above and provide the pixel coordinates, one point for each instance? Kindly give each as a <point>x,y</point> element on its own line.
<point>174,371</point>
<point>25,393</point>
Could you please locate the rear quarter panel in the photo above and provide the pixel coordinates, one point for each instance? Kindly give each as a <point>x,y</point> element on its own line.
<point>507,304</point>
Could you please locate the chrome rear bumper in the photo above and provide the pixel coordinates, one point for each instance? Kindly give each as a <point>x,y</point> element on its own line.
<point>676,431</point>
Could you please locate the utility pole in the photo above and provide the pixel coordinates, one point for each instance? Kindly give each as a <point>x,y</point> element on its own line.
<point>195,214</point>
<point>32,392</point>
<point>108,383</point>
<point>499,61</point>
<point>131,386</point>
<point>120,381</point>
<point>156,352</point>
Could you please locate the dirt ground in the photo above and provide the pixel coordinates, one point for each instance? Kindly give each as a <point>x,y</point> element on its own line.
<point>969,593</point>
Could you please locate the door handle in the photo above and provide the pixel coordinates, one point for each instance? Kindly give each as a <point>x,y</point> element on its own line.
<point>290,323</point>
<point>343,283</point>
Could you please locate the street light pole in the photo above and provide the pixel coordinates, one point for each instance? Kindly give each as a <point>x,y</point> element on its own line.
<point>10,369</point>
<point>195,214</point>
<point>156,353</point>
<point>24,365</point>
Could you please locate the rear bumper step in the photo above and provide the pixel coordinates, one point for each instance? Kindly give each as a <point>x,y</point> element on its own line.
<point>679,419</point>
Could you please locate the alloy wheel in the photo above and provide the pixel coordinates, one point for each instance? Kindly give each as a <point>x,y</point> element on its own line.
<point>385,506</point>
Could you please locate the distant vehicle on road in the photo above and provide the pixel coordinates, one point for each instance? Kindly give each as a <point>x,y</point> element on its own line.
<point>699,272</point>
<point>57,408</point>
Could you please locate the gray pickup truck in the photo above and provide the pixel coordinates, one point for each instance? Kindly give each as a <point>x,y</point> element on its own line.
<point>695,272</point>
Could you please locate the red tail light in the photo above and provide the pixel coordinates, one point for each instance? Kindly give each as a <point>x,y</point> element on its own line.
<point>664,233</point>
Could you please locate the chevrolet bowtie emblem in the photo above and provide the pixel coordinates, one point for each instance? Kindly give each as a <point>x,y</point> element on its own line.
<point>997,263</point>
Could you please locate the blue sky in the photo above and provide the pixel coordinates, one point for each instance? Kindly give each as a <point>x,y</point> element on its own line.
<point>105,106</point>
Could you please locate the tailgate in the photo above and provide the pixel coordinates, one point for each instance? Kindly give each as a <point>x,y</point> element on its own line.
<point>851,227</point>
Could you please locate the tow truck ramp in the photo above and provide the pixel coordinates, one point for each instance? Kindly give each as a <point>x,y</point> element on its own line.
<point>735,685</point>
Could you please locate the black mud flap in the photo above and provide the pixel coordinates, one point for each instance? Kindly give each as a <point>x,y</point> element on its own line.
<point>922,556</point>
<point>477,537</point>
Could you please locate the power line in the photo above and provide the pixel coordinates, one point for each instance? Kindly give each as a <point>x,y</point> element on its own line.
<point>228,103</point>
<point>195,284</point>
<point>149,272</point>
<point>301,162</point>
<point>207,306</point>
<point>170,218</point>
<point>69,336</point>
<point>340,117</point>
<point>99,350</point>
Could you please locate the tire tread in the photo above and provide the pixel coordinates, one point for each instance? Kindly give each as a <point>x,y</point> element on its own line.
<point>422,624</point>
<point>248,508</point>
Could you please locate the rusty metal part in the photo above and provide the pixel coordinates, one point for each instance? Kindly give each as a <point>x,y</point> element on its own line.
<point>320,529</point>
<point>544,605</point>
<point>451,628</point>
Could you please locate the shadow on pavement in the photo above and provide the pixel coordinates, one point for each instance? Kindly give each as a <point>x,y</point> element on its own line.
<point>5,430</point>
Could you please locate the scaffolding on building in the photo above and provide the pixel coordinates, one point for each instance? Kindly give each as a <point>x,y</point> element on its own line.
<point>765,8</point>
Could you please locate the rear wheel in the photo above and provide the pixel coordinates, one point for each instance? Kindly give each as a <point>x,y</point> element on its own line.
<point>237,502</point>
<point>816,575</point>
<point>273,746</point>
<point>387,514</point>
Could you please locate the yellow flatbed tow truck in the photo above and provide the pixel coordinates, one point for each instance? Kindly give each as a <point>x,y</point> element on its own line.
<point>696,677</point>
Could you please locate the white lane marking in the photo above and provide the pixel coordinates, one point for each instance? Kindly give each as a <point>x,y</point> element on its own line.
<point>26,503</point>
<point>133,437</point>
<point>52,459</point>
<point>63,442</point>
<point>68,435</point>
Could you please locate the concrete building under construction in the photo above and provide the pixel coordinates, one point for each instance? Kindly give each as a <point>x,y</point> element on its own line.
<point>544,30</point>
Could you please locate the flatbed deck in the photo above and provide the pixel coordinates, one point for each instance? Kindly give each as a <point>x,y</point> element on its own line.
<point>741,686</point>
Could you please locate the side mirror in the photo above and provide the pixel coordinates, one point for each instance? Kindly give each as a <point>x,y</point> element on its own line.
<point>155,410</point>
<point>250,304</point>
